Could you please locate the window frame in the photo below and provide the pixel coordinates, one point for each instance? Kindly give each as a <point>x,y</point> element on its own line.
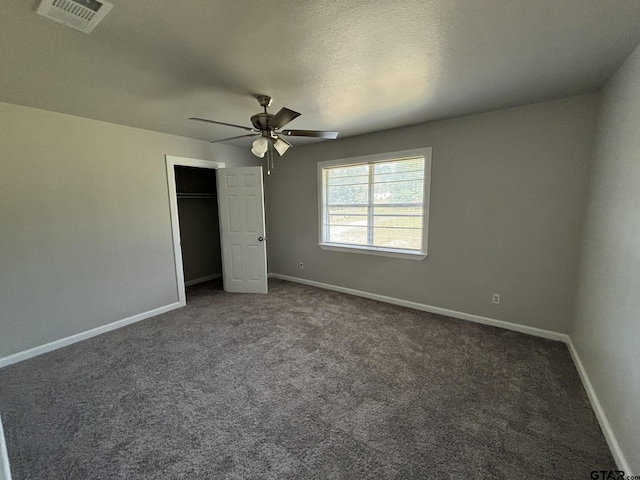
<point>424,152</point>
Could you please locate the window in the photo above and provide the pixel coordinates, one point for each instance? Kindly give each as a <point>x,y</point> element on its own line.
<point>376,204</point>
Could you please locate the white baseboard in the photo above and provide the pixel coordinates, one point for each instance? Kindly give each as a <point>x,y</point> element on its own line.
<point>5,471</point>
<point>538,332</point>
<point>607,431</point>
<point>63,342</point>
<point>195,281</point>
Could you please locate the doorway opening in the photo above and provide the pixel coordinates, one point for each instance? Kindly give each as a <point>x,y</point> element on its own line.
<point>194,220</point>
<point>196,191</point>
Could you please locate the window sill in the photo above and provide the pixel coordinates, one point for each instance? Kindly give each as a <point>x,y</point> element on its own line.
<point>382,252</point>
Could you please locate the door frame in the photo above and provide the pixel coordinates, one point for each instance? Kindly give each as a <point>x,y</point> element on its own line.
<point>171,162</point>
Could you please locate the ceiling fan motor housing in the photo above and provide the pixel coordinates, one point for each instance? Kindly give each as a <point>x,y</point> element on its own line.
<point>262,121</point>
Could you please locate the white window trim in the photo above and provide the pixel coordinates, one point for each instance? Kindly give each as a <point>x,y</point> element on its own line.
<point>370,250</point>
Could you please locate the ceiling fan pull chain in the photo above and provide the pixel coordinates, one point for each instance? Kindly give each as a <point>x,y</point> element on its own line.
<point>273,166</point>
<point>268,165</point>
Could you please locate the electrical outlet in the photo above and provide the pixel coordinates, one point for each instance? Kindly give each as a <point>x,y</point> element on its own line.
<point>495,299</point>
<point>301,266</point>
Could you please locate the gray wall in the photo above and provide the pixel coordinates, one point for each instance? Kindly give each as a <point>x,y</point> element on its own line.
<point>507,203</point>
<point>607,328</point>
<point>85,229</point>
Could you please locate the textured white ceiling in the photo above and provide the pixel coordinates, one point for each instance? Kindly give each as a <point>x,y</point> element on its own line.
<point>355,66</point>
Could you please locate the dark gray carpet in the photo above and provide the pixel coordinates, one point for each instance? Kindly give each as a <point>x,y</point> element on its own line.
<point>301,383</point>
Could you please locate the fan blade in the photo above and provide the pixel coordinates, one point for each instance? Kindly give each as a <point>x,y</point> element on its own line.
<point>310,133</point>
<point>283,117</point>
<point>233,138</point>
<point>250,129</point>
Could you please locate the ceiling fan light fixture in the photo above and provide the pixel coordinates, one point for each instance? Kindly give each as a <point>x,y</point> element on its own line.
<point>281,146</point>
<point>260,145</point>
<point>257,153</point>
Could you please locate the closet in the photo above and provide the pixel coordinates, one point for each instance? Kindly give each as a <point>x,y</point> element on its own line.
<point>199,225</point>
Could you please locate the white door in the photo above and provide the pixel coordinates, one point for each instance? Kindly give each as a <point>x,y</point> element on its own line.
<point>241,211</point>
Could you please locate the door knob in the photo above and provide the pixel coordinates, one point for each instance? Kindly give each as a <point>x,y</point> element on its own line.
<point>260,239</point>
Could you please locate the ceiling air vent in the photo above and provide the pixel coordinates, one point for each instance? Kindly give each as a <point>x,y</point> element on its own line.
<point>82,15</point>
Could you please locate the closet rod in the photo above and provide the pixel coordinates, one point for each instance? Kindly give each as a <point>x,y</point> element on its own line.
<point>196,195</point>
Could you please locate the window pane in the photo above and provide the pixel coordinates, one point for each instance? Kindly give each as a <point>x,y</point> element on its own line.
<point>403,238</point>
<point>348,194</point>
<point>398,227</point>
<point>348,175</point>
<point>352,234</point>
<point>398,217</point>
<point>399,181</point>
<point>356,216</point>
<point>411,169</point>
<point>348,185</point>
<point>408,191</point>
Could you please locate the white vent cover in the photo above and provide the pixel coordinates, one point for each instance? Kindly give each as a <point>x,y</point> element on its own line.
<point>82,15</point>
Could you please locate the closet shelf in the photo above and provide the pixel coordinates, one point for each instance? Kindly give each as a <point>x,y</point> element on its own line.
<point>197,195</point>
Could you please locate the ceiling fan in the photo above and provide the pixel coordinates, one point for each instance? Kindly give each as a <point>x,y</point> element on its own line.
<point>268,127</point>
